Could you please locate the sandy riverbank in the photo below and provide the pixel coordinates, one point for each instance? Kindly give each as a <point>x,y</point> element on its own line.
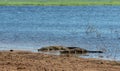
<point>29,61</point>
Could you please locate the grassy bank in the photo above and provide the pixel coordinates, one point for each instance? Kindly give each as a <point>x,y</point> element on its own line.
<point>66,3</point>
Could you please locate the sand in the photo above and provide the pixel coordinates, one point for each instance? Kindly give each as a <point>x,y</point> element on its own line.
<point>31,61</point>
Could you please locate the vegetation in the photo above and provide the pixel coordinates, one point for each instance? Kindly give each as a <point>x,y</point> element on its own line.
<point>59,2</point>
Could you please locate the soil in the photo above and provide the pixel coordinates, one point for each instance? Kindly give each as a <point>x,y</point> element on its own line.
<point>31,61</point>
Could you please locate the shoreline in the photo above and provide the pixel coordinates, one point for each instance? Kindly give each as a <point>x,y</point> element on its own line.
<point>59,3</point>
<point>26,60</point>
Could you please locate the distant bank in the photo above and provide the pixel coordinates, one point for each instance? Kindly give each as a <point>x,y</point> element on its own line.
<point>66,3</point>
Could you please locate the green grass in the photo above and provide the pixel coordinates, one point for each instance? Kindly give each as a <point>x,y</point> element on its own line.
<point>59,2</point>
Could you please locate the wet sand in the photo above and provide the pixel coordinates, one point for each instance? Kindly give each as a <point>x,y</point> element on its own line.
<point>29,61</point>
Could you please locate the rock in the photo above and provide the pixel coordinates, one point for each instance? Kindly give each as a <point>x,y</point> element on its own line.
<point>11,50</point>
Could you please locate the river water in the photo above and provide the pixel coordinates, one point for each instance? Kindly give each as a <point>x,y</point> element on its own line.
<point>89,27</point>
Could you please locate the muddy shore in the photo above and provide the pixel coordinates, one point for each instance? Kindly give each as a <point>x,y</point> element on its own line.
<point>29,61</point>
